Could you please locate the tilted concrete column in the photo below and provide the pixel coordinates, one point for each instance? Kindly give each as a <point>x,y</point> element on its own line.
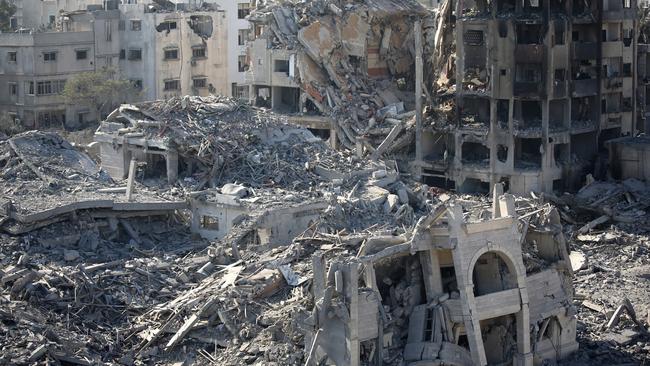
<point>497,192</point>
<point>171,160</point>
<point>431,271</point>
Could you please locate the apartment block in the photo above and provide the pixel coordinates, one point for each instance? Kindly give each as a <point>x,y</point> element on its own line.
<point>34,67</point>
<point>169,53</point>
<point>540,85</point>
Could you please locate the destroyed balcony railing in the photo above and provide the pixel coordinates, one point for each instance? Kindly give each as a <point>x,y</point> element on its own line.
<point>584,88</point>
<point>530,53</point>
<point>579,126</point>
<point>585,50</point>
<point>529,89</point>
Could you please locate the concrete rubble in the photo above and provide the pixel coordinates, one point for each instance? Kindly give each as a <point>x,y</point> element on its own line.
<point>265,246</point>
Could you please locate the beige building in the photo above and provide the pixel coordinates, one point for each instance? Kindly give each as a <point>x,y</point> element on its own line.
<point>173,53</point>
<point>35,66</point>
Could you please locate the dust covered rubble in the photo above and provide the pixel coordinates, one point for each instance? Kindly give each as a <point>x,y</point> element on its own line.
<point>134,284</point>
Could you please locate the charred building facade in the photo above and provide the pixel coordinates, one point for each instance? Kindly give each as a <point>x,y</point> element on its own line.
<point>540,85</point>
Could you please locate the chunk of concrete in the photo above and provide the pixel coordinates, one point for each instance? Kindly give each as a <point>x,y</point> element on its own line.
<point>378,174</point>
<point>403,195</point>
<point>578,261</point>
<point>391,203</point>
<point>234,190</point>
<point>70,255</point>
<point>375,195</point>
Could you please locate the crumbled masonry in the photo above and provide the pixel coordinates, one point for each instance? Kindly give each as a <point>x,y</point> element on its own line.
<point>299,254</point>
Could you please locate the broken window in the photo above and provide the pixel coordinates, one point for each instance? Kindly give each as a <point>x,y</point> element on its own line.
<point>492,273</point>
<point>505,6</point>
<point>200,83</point>
<point>243,10</point>
<point>209,222</point>
<point>528,153</point>
<point>12,56</point>
<point>172,85</point>
<point>499,339</point>
<point>530,34</point>
<point>171,54</point>
<point>81,54</point>
<point>503,113</point>
<point>502,153</point>
<point>475,153</point>
<point>167,25</point>
<point>241,63</point>
<point>503,29</point>
<point>561,154</point>
<point>242,36</point>
<point>49,56</point>
<point>136,25</point>
<point>122,54</point>
<point>13,89</point>
<point>556,114</point>
<point>559,33</point>
<point>29,87</point>
<point>198,52</point>
<point>473,37</point>
<point>240,91</point>
<point>281,66</point>
<point>559,75</point>
<point>627,69</point>
<point>528,73</point>
<point>137,84</point>
<point>528,115</point>
<point>135,54</point>
<point>475,113</point>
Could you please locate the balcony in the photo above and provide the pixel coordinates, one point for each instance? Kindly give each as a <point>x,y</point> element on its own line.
<point>533,89</point>
<point>612,49</point>
<point>498,304</point>
<point>530,53</point>
<point>584,88</point>
<point>612,84</point>
<point>585,50</point>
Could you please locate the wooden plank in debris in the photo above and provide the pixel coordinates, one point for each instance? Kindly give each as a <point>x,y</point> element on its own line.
<point>387,141</point>
<point>187,326</point>
<point>593,223</point>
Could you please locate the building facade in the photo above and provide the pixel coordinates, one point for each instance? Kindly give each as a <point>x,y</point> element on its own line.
<point>540,85</point>
<point>35,66</point>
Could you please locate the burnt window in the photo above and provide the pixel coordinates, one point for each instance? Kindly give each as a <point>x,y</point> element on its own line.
<point>559,33</point>
<point>473,37</point>
<point>13,89</point>
<point>503,29</point>
<point>559,75</point>
<point>503,72</point>
<point>12,56</point>
<point>122,54</point>
<point>241,63</point>
<point>210,223</point>
<point>136,25</point>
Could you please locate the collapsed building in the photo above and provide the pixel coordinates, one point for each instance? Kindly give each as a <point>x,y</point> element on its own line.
<point>462,292</point>
<point>276,249</point>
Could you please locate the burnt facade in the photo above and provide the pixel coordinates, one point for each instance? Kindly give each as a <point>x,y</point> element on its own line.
<point>540,85</point>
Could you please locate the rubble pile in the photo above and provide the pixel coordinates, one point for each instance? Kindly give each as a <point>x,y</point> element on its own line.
<point>342,259</point>
<point>355,63</point>
<point>226,141</point>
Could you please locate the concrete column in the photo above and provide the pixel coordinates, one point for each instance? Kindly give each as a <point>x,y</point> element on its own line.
<point>171,160</point>
<point>431,271</point>
<point>352,294</point>
<point>131,180</point>
<point>497,192</point>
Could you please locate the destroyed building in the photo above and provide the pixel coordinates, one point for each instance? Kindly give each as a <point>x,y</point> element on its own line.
<point>467,293</point>
<point>539,87</point>
<point>271,248</point>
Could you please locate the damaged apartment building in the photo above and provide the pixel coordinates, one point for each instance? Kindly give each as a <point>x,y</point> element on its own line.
<point>462,288</point>
<point>539,86</point>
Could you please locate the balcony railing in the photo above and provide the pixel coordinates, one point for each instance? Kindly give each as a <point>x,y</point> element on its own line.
<point>528,89</point>
<point>584,87</point>
<point>585,50</point>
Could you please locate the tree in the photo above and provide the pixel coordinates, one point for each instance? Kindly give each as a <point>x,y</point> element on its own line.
<point>99,90</point>
<point>7,10</point>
